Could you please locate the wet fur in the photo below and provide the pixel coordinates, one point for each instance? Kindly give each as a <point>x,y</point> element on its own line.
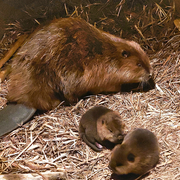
<point>69,58</point>
<point>101,125</point>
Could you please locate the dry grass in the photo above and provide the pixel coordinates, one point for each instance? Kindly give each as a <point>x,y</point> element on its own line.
<point>51,140</point>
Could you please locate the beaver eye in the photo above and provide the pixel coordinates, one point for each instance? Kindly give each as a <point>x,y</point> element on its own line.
<point>110,130</point>
<point>125,54</point>
<point>131,157</point>
<point>139,65</point>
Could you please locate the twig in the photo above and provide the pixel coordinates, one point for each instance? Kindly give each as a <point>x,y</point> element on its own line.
<point>17,44</point>
<point>23,150</point>
<point>141,34</point>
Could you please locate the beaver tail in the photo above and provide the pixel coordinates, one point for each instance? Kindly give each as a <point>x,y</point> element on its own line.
<point>13,116</point>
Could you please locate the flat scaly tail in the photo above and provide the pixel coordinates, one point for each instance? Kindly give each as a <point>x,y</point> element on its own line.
<point>13,116</point>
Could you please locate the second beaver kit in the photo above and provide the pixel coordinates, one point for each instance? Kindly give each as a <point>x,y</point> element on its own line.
<point>138,153</point>
<point>100,127</point>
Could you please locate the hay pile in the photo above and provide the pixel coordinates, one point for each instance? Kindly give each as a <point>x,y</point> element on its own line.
<point>51,140</point>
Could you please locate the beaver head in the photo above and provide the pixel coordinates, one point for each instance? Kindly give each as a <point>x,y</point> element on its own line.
<point>110,127</point>
<point>137,154</point>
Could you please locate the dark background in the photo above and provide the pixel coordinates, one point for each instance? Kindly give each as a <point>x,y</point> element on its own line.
<point>114,16</point>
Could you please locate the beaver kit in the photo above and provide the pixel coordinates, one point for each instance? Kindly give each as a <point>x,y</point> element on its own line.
<point>100,127</point>
<point>138,153</point>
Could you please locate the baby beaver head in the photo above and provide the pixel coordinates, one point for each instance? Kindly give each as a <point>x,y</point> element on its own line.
<point>110,127</point>
<point>137,154</point>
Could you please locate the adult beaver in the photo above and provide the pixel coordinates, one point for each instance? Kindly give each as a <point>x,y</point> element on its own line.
<point>101,126</point>
<point>138,153</point>
<point>69,58</point>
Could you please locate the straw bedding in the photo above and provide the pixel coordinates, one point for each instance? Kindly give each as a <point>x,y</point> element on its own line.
<point>50,141</point>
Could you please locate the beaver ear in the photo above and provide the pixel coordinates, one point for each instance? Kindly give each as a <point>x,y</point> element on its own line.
<point>125,53</point>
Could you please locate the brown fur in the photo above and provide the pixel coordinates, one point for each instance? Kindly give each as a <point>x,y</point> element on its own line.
<point>101,125</point>
<point>69,58</point>
<point>138,153</point>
